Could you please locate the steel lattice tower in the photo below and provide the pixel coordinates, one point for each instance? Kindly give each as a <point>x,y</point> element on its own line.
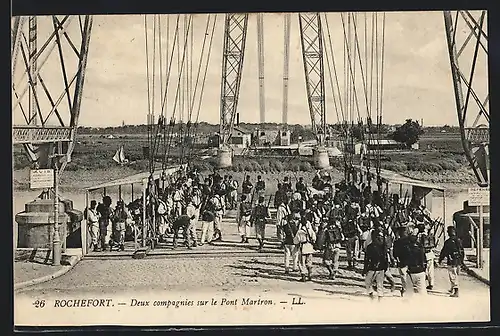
<point>312,53</point>
<point>47,102</point>
<point>468,50</point>
<point>235,33</point>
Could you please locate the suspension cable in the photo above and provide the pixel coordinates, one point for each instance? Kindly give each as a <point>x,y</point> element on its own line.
<point>339,105</point>
<point>180,74</point>
<point>165,96</point>
<point>202,91</point>
<point>192,101</point>
<point>381,87</point>
<point>148,83</point>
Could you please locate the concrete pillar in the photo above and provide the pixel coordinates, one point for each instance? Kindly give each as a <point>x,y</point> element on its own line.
<point>321,158</point>
<point>224,158</point>
<point>36,224</point>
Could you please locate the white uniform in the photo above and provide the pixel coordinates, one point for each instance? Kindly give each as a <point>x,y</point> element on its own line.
<point>93,225</point>
<point>281,216</point>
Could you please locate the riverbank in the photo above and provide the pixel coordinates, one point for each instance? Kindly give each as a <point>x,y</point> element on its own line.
<point>75,180</point>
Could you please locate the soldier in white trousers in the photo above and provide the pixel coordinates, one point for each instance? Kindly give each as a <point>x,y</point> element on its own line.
<point>92,218</point>
<point>243,218</point>
<point>190,235</point>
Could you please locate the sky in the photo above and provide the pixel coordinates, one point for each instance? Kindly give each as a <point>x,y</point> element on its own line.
<point>416,80</point>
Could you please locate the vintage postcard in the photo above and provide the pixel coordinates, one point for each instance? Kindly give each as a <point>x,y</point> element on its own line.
<point>250,169</point>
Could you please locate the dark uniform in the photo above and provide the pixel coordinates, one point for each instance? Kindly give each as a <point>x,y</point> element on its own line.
<point>297,206</point>
<point>400,253</point>
<point>182,222</point>
<point>351,232</point>
<point>106,212</point>
<point>300,186</point>
<point>428,243</point>
<point>416,265</point>
<point>259,218</point>
<point>246,187</point>
<point>375,265</point>
<point>260,186</point>
<point>453,251</point>
<point>331,248</point>
<point>280,196</point>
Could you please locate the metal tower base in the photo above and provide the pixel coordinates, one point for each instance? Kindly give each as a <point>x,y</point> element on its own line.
<point>321,158</point>
<point>224,158</point>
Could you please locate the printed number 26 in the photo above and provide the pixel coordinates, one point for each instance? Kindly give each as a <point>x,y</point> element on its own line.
<point>39,303</point>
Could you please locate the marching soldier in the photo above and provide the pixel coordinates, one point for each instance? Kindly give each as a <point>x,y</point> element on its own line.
<point>281,217</point>
<point>401,250</point>
<point>297,205</point>
<point>290,228</point>
<point>428,243</point>
<point>162,212</point>
<point>182,222</point>
<point>305,238</point>
<point>365,226</point>
<point>207,229</point>
<point>216,206</point>
<point>197,201</point>
<point>453,251</point>
<point>178,201</point>
<point>352,232</point>
<point>92,217</point>
<point>375,265</point>
<point>260,186</point>
<point>191,212</point>
<point>279,196</point>
<point>246,187</point>
<point>301,187</point>
<point>243,218</point>
<point>105,228</point>
<point>331,247</point>
<point>120,217</point>
<point>259,218</point>
<point>232,193</point>
<point>287,187</point>
<point>416,263</point>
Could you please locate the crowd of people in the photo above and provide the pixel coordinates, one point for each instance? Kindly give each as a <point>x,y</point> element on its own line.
<point>381,232</point>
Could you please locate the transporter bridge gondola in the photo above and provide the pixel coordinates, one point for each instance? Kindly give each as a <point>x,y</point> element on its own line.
<point>408,191</point>
<point>136,186</point>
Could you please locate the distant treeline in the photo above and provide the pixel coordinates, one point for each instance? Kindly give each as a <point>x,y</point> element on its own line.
<point>204,128</point>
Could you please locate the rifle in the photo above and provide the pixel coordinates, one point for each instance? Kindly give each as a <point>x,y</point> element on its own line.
<point>269,201</point>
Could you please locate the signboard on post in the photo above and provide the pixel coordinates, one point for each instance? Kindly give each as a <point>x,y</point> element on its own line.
<point>41,178</point>
<point>479,196</point>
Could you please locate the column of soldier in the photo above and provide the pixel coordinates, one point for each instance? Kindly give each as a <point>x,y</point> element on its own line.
<point>326,218</point>
<point>394,235</point>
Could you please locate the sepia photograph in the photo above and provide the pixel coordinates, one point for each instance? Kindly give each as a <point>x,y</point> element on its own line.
<point>245,169</point>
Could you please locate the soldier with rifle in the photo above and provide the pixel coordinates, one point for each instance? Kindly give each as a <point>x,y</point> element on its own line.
<point>301,187</point>
<point>331,237</point>
<point>282,215</point>
<point>429,244</point>
<point>287,187</point>
<point>290,227</point>
<point>352,232</point>
<point>216,206</point>
<point>260,186</point>
<point>243,218</point>
<point>453,251</point>
<point>305,238</point>
<point>246,186</point>
<point>259,218</point>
